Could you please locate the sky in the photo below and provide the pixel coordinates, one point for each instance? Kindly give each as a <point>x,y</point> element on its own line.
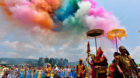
<point>18,42</point>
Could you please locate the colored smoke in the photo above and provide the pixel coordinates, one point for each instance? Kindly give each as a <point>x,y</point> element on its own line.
<point>67,16</point>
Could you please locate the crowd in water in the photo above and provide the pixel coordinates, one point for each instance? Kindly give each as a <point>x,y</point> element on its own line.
<point>123,66</point>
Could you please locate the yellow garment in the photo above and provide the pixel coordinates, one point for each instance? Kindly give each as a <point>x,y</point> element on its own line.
<point>52,74</point>
<point>48,72</point>
<point>126,64</point>
<point>39,73</point>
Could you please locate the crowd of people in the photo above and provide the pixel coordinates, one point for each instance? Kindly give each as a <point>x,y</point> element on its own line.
<point>38,72</point>
<point>122,66</point>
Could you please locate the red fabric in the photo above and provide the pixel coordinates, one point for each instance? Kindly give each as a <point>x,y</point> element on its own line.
<point>99,51</point>
<point>111,68</point>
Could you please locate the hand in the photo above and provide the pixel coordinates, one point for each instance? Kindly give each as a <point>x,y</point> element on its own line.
<point>121,71</point>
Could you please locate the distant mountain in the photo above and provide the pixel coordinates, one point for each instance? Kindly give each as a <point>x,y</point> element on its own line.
<point>17,61</point>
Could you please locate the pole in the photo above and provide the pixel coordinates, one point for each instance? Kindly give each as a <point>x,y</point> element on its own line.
<point>116,42</point>
<point>96,44</point>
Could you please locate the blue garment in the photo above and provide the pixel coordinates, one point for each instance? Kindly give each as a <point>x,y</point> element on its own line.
<point>43,74</point>
<point>36,74</point>
<point>28,74</point>
<point>21,75</point>
<point>61,74</point>
<point>70,74</point>
<point>73,73</point>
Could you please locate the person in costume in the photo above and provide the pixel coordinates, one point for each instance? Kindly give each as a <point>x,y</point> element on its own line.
<point>126,64</point>
<point>35,73</point>
<point>73,71</point>
<point>114,69</point>
<point>55,71</point>
<point>28,73</point>
<point>13,73</point>
<point>92,65</point>
<point>101,64</point>
<point>61,72</point>
<point>39,71</point>
<point>88,70</point>
<point>67,71</point>
<point>80,69</point>
<point>43,73</point>
<point>5,75</point>
<point>22,72</point>
<point>48,71</point>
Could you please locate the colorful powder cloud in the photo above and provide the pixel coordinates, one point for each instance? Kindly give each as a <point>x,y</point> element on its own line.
<point>69,16</point>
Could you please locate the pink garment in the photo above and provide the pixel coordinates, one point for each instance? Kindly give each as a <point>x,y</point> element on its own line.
<point>93,73</point>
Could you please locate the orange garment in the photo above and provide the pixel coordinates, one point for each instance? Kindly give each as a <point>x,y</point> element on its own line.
<point>48,72</point>
<point>80,70</point>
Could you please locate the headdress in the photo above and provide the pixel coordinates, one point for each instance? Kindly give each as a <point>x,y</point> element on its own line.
<point>99,51</point>
<point>121,48</point>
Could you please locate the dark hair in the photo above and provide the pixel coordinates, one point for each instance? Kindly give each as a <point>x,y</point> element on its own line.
<point>116,54</point>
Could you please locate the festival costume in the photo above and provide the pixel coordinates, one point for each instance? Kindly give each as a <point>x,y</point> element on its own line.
<point>127,65</point>
<point>43,73</point>
<point>114,70</point>
<point>61,73</point>
<point>92,65</point>
<point>21,73</point>
<point>80,71</point>
<point>67,72</point>
<point>88,71</point>
<point>39,73</point>
<point>28,74</point>
<point>73,73</point>
<point>55,72</point>
<point>36,74</point>
<point>48,72</point>
<point>101,63</point>
<point>12,74</point>
<point>93,72</point>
